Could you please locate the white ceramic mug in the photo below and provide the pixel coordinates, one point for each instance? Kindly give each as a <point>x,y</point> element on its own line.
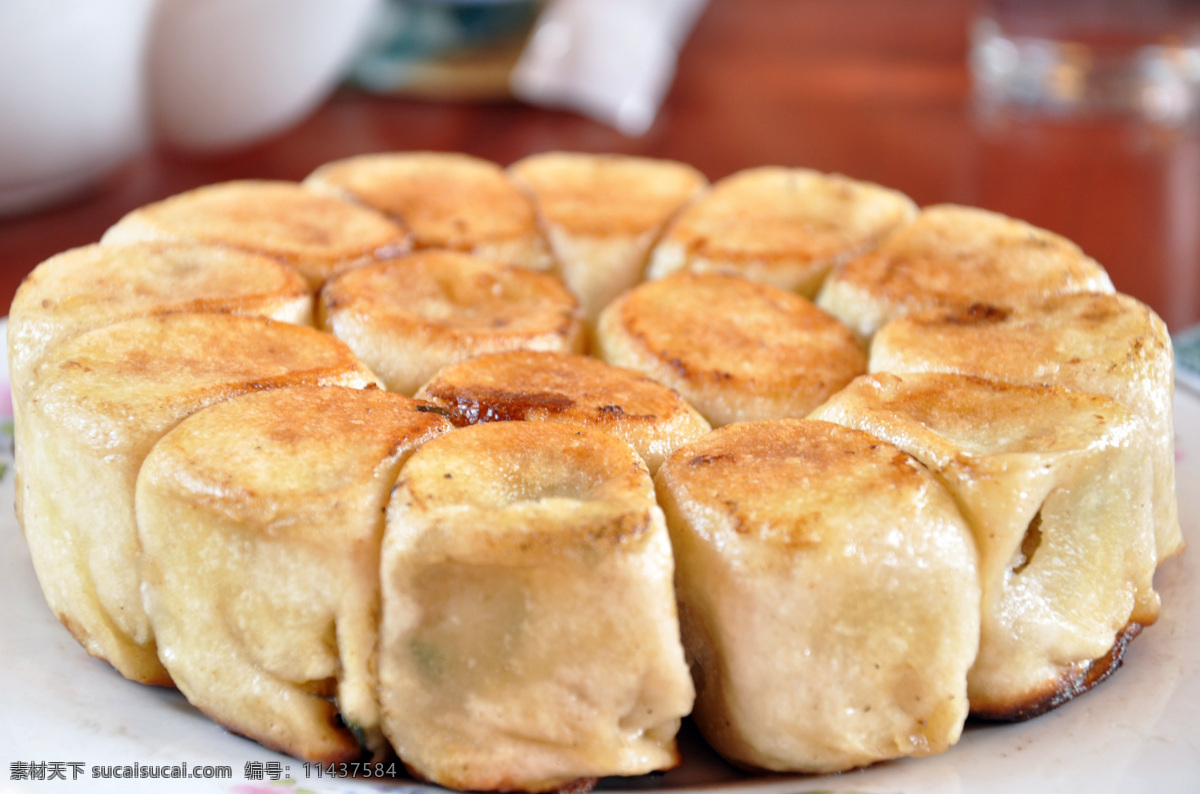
<point>226,72</point>
<point>72,104</point>
<point>85,84</point>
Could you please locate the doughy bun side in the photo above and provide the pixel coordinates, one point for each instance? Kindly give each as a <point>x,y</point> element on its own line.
<point>808,552</point>
<point>529,635</point>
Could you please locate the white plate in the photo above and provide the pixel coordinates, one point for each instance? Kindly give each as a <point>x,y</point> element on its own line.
<point>1137,732</point>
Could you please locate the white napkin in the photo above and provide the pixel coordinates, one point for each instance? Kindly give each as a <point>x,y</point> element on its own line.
<point>612,60</point>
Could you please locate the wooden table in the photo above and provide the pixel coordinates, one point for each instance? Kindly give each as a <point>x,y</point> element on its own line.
<point>875,89</point>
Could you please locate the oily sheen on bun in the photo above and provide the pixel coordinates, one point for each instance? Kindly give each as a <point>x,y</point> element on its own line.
<point>97,285</point>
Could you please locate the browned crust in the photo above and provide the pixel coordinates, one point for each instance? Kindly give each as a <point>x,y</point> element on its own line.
<point>317,235</point>
<point>744,473</point>
<point>445,200</point>
<point>774,216</point>
<point>978,314</point>
<point>451,296</point>
<point>470,405</point>
<point>951,256</point>
<point>696,330</point>
<point>525,384</point>
<point>1079,678</point>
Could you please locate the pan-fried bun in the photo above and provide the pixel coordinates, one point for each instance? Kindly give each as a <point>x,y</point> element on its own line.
<point>736,349</point>
<point>781,226</point>
<point>602,213</point>
<point>445,200</point>
<point>1057,492</point>
<point>260,520</point>
<point>829,596</point>
<point>318,235</point>
<point>97,285</point>
<point>99,403</point>
<point>953,256</point>
<point>1102,343</point>
<point>529,635</point>
<point>562,387</point>
<point>408,318</point>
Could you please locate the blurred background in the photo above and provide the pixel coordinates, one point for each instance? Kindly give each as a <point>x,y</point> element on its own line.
<point>1078,116</point>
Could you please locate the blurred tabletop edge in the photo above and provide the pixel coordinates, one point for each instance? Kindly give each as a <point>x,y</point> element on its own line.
<point>874,89</point>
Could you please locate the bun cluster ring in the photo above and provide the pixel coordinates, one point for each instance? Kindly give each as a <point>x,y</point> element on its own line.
<point>506,473</point>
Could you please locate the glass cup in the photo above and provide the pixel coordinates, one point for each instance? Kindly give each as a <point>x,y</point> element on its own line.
<point>1090,57</point>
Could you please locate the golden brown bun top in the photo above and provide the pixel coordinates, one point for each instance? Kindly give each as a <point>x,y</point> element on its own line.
<point>1068,340</point>
<point>555,487</point>
<point>149,371</point>
<point>452,293</point>
<point>561,387</point>
<point>792,483</point>
<point>606,195</point>
<point>445,200</point>
<point>711,328</point>
<point>949,414</point>
<point>263,459</point>
<point>523,385</point>
<point>279,219</point>
<point>95,285</point>
<point>954,256</point>
<point>774,213</point>
<point>125,280</point>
